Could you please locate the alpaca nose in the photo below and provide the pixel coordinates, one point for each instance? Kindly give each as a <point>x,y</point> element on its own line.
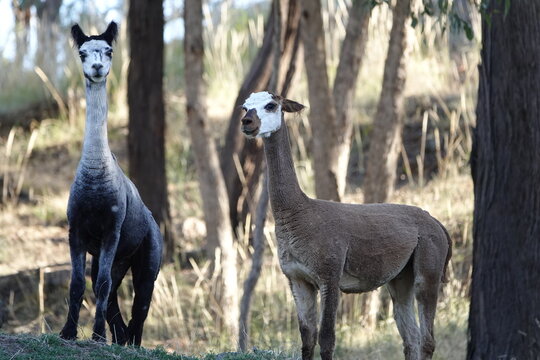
<point>249,118</point>
<point>97,66</point>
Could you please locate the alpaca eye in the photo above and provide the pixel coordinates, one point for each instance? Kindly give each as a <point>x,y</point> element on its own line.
<point>270,106</point>
<point>109,53</point>
<point>82,55</point>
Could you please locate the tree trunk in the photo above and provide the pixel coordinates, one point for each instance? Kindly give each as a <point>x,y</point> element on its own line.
<point>388,123</point>
<point>322,114</point>
<point>505,164</point>
<point>259,241</point>
<point>220,243</point>
<point>22,25</point>
<point>350,61</point>
<point>146,138</point>
<point>262,205</point>
<point>46,53</point>
<point>249,154</point>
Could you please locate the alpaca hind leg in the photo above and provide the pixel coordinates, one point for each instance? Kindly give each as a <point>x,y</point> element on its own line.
<point>402,292</point>
<point>305,298</point>
<point>427,289</point>
<point>115,320</point>
<point>76,287</point>
<point>427,279</point>
<point>114,316</point>
<point>145,270</point>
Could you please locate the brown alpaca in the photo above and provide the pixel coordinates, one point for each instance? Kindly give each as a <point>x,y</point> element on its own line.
<point>329,247</point>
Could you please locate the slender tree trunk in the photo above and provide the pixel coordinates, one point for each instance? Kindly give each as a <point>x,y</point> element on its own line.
<point>122,52</point>
<point>262,205</point>
<point>350,61</point>
<point>146,138</point>
<point>22,24</point>
<point>505,164</point>
<point>322,114</point>
<point>388,123</point>
<point>249,154</point>
<point>259,241</point>
<point>46,53</point>
<point>220,244</point>
<point>331,113</point>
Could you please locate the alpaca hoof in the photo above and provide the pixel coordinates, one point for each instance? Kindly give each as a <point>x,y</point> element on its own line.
<point>68,334</point>
<point>98,337</point>
<point>119,335</point>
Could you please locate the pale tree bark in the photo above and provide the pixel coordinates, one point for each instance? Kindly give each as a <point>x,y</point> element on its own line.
<point>262,205</point>
<point>331,112</point>
<point>220,244</point>
<point>504,315</point>
<point>249,154</point>
<point>46,53</point>
<point>385,140</point>
<point>350,62</point>
<point>146,136</point>
<point>22,17</point>
<point>322,113</point>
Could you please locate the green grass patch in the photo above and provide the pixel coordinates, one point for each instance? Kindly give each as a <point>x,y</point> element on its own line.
<point>49,347</point>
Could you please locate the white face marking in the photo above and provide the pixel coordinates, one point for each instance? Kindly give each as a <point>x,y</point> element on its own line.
<point>96,57</point>
<point>270,120</point>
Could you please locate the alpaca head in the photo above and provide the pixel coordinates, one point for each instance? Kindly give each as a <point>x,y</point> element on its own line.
<point>264,111</point>
<point>95,51</point>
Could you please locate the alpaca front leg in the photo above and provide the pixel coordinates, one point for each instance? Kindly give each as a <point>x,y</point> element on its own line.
<point>103,285</point>
<point>305,297</point>
<point>76,287</point>
<point>327,335</point>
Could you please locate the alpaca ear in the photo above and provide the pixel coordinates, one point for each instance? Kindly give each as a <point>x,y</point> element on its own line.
<point>78,35</point>
<point>110,34</point>
<point>291,106</point>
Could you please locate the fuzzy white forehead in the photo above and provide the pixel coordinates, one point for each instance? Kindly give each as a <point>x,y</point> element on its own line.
<point>258,99</point>
<point>93,45</point>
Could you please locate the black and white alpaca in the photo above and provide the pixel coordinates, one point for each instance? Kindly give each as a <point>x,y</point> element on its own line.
<point>106,215</point>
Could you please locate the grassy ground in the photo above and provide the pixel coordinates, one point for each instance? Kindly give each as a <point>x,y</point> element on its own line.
<point>51,347</point>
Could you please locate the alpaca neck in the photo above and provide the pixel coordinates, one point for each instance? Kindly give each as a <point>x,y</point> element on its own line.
<point>284,190</point>
<point>95,146</point>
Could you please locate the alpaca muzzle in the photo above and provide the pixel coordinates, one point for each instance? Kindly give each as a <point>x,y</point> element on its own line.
<point>251,123</point>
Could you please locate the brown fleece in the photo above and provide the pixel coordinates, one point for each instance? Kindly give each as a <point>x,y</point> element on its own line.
<point>354,248</point>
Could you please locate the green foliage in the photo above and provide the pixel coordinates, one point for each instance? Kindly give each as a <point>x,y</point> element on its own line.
<point>488,8</point>
<point>458,24</point>
<point>444,14</point>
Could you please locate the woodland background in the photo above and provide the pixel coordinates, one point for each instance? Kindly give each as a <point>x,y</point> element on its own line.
<point>391,91</point>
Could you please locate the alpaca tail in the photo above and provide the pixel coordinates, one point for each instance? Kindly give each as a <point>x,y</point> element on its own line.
<point>444,277</point>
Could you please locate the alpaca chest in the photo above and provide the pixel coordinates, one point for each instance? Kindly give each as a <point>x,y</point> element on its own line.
<point>95,212</point>
<point>297,264</point>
